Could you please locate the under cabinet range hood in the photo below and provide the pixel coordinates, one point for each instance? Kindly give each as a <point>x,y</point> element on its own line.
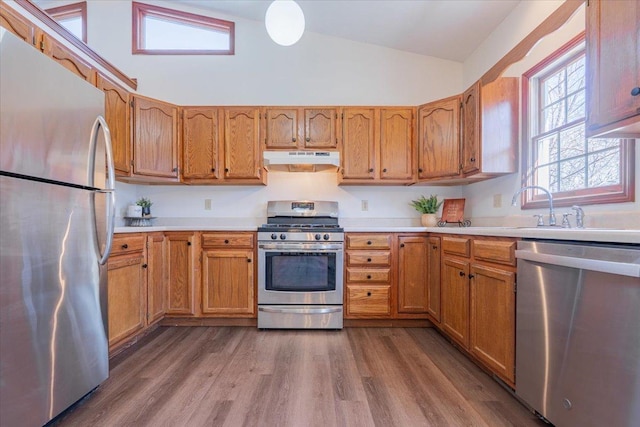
<point>302,161</point>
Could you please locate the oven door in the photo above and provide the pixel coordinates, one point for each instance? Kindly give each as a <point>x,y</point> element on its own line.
<point>300,273</point>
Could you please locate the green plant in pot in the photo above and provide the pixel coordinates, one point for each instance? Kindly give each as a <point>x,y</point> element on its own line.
<point>428,207</point>
<point>145,203</point>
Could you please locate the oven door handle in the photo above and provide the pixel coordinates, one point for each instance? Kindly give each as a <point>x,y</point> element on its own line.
<point>299,247</point>
<point>323,310</point>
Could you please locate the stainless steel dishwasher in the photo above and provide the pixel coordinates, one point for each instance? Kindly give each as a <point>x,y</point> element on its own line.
<point>578,332</point>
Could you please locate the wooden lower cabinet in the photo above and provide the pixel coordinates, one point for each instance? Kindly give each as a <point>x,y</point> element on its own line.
<point>227,282</point>
<point>368,301</point>
<point>492,321</point>
<point>180,264</point>
<point>455,299</point>
<point>156,279</point>
<point>413,273</point>
<point>433,280</point>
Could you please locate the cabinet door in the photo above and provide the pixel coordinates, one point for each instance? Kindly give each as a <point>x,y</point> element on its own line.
<point>358,143</point>
<point>439,139</point>
<point>242,143</point>
<point>17,24</point>
<point>471,129</point>
<point>455,299</point>
<point>396,144</point>
<point>492,321</point>
<point>126,296</point>
<point>227,282</point>
<point>200,138</point>
<point>412,274</point>
<point>613,63</point>
<point>155,143</point>
<point>61,54</point>
<point>180,265</point>
<point>156,280</point>
<point>320,128</point>
<point>433,278</point>
<point>282,128</point>
<point>118,116</point>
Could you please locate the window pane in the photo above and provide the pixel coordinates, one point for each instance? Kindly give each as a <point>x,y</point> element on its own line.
<point>73,24</point>
<point>572,141</point>
<point>162,34</point>
<point>596,144</point>
<point>575,106</point>
<point>553,88</point>
<point>553,116</point>
<point>547,177</point>
<point>575,75</point>
<point>572,174</point>
<point>604,168</point>
<point>547,150</point>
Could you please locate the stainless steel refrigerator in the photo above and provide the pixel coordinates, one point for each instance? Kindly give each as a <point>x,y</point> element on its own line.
<point>56,227</point>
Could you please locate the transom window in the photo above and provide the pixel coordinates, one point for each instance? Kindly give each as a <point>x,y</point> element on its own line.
<point>558,156</point>
<point>73,17</point>
<point>161,31</point>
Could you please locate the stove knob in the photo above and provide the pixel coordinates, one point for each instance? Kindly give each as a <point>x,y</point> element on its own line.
<point>274,236</point>
<point>283,236</point>
<point>326,237</point>
<point>317,237</point>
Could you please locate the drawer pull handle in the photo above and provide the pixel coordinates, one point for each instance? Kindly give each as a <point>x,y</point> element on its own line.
<point>368,276</point>
<point>307,139</point>
<point>125,246</point>
<point>462,274</point>
<point>369,242</point>
<point>368,294</point>
<point>384,170</point>
<point>213,169</point>
<point>144,265</point>
<point>248,259</point>
<point>226,242</point>
<point>368,259</point>
<point>293,139</point>
<point>371,170</point>
<point>188,243</point>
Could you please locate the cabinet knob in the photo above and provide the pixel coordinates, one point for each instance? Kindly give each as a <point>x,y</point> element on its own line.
<point>368,276</point>
<point>368,259</point>
<point>144,265</point>
<point>226,241</point>
<point>419,169</point>
<point>307,139</point>
<point>226,169</point>
<point>174,170</point>
<point>402,245</point>
<point>369,242</point>
<point>125,246</point>
<point>635,91</point>
<point>368,294</point>
<point>471,276</point>
<point>248,259</point>
<point>461,274</point>
<point>384,170</point>
<point>472,160</point>
<point>213,169</point>
<point>293,139</point>
<point>371,170</point>
<point>188,243</point>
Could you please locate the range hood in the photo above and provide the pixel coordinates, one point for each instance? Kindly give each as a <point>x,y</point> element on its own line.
<point>302,161</point>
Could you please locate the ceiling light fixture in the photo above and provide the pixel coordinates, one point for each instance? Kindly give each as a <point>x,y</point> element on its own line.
<point>285,22</point>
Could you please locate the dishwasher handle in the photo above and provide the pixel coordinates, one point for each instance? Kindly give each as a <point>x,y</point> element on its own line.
<point>611,267</point>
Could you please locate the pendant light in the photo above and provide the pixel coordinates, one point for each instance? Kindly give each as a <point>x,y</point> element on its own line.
<point>285,22</point>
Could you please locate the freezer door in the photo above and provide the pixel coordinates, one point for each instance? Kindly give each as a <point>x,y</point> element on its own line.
<point>46,116</point>
<point>53,343</point>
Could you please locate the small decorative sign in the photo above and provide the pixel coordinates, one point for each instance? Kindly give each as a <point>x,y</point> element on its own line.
<point>453,213</point>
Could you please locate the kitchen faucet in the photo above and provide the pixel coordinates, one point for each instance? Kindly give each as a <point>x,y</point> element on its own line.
<point>552,215</point>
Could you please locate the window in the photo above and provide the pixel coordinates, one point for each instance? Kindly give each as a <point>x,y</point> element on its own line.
<point>557,154</point>
<point>73,17</point>
<point>160,31</point>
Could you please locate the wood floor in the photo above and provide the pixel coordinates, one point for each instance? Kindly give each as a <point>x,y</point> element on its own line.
<point>239,376</point>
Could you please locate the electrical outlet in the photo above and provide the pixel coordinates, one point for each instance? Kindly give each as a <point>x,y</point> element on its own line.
<point>365,205</point>
<point>497,200</point>
<point>207,204</point>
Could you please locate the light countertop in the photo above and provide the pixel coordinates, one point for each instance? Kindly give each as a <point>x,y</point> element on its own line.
<point>399,226</point>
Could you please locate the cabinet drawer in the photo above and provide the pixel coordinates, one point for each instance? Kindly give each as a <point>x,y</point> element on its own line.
<point>227,240</point>
<point>456,246</point>
<point>373,258</point>
<point>368,300</point>
<point>127,243</point>
<point>495,251</point>
<point>368,275</point>
<point>369,241</point>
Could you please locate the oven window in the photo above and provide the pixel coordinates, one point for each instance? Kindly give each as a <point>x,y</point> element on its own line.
<point>300,271</point>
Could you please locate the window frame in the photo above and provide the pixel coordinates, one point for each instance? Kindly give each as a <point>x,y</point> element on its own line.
<point>619,193</point>
<point>70,11</point>
<point>141,10</point>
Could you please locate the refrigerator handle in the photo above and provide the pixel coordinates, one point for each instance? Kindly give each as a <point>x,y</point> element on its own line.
<point>110,184</point>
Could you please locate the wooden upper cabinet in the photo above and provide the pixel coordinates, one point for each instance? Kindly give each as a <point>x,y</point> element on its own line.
<point>471,129</point>
<point>118,115</point>
<point>613,68</point>
<point>155,139</point>
<point>242,159</point>
<point>72,62</point>
<point>439,139</point>
<point>282,128</point>
<point>396,144</point>
<point>320,128</point>
<point>358,143</point>
<point>201,134</point>
<point>17,24</point>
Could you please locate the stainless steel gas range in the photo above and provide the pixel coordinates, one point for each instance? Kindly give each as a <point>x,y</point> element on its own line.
<point>300,266</point>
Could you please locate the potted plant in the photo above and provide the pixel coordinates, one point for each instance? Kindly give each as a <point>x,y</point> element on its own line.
<point>146,206</point>
<point>428,208</point>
